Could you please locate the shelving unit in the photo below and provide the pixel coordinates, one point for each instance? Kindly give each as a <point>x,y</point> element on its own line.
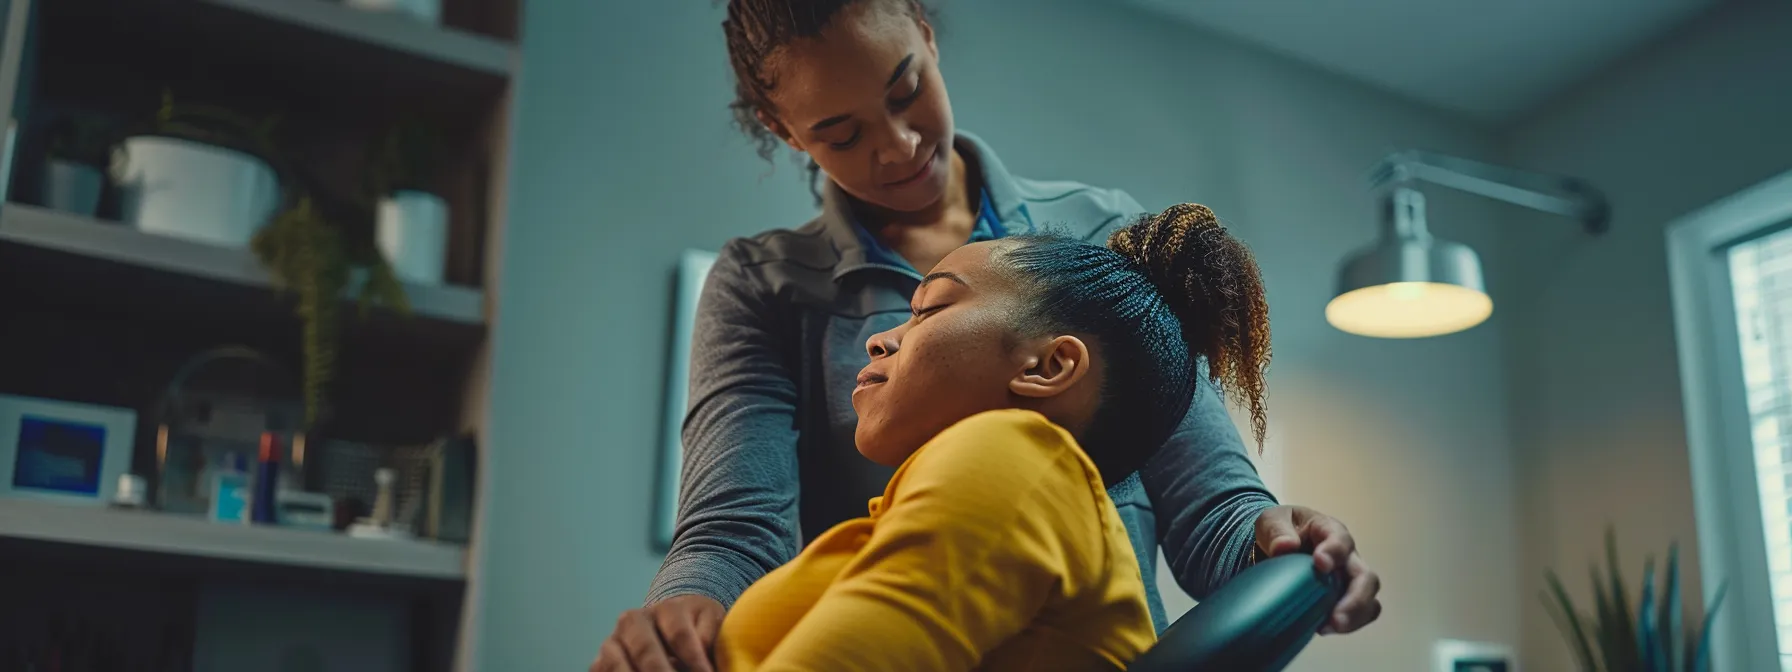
<point>197,539</point>
<point>100,312</point>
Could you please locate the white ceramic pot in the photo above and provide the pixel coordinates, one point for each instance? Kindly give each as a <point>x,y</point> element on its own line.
<point>73,187</point>
<point>412,230</point>
<point>192,190</point>
<point>428,11</point>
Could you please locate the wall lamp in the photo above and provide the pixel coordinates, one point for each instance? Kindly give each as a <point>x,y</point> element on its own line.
<point>1410,284</point>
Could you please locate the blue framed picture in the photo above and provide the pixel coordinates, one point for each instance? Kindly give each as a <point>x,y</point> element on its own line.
<point>63,451</point>
<point>693,269</point>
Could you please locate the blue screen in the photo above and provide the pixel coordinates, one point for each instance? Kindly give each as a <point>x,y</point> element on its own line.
<point>59,456</point>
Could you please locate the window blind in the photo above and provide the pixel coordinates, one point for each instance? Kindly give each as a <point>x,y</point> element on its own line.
<point>1761,282</point>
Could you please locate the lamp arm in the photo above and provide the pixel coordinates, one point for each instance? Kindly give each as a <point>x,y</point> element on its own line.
<point>1564,196</point>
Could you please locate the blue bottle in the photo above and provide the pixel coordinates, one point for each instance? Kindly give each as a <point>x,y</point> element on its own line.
<point>267,479</point>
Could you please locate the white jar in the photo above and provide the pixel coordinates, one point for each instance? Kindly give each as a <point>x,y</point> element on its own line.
<point>196,191</point>
<point>412,231</point>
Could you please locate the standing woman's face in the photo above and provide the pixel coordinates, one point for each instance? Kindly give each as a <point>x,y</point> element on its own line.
<point>866,102</point>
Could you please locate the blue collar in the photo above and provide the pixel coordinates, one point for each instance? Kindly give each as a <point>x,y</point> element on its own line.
<point>988,227</point>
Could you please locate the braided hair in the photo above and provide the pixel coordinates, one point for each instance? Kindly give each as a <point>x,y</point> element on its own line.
<point>1170,291</point>
<point>756,30</point>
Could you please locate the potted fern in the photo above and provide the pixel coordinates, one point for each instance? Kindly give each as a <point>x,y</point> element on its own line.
<point>81,148</point>
<point>1613,638</point>
<point>313,260</point>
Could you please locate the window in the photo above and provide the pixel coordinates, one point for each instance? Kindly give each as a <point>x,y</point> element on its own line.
<point>1732,279</point>
<point>1761,287</point>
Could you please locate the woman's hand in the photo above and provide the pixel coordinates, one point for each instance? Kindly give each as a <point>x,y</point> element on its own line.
<point>673,634</point>
<point>1290,529</point>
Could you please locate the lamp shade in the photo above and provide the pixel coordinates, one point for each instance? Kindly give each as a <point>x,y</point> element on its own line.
<point>1410,287</point>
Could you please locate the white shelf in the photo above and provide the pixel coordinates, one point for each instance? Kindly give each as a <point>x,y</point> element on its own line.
<point>112,241</point>
<point>194,537</point>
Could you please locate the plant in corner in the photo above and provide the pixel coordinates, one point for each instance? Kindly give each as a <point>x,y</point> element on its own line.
<point>1612,638</point>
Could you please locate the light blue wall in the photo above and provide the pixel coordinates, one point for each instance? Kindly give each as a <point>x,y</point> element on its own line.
<point>1596,394</point>
<point>623,156</point>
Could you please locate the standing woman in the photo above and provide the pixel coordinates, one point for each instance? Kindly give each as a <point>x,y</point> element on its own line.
<point>783,318</point>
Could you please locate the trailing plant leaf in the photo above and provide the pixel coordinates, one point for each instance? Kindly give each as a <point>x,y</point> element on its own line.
<point>383,287</point>
<point>310,259</point>
<point>305,258</point>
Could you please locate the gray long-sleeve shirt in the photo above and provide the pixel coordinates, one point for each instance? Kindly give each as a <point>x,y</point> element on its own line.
<point>769,460</point>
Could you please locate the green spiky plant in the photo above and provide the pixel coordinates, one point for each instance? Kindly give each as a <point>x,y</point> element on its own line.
<point>220,126</point>
<point>312,260</point>
<point>1612,638</point>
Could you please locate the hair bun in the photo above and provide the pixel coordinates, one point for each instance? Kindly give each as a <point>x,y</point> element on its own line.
<point>1210,281</point>
<point>1173,248</point>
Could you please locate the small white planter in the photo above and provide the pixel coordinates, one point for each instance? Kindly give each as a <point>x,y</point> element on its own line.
<point>412,231</point>
<point>196,191</point>
<point>73,187</point>
<point>428,11</point>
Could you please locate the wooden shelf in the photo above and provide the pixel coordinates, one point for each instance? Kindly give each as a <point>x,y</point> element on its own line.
<point>165,534</point>
<point>111,241</point>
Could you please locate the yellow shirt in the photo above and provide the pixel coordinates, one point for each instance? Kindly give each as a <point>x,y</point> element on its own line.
<point>994,547</point>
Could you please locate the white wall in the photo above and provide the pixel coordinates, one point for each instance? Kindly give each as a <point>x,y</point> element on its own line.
<point>623,156</point>
<point>1595,386</point>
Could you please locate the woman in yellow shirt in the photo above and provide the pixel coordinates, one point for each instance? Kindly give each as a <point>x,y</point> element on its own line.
<point>1032,366</point>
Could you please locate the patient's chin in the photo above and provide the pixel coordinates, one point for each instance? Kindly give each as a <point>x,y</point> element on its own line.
<point>881,452</point>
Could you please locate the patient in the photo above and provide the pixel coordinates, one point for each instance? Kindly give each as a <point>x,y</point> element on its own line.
<point>1035,372</point>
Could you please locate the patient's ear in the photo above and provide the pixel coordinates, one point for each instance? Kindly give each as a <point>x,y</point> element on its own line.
<point>1052,368</point>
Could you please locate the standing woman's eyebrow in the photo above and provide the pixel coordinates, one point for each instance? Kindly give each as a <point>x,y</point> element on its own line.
<point>900,68</point>
<point>835,120</point>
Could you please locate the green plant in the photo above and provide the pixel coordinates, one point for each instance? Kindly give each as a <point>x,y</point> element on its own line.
<point>409,156</point>
<point>311,259</point>
<point>84,138</point>
<point>1614,639</point>
<point>220,126</point>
